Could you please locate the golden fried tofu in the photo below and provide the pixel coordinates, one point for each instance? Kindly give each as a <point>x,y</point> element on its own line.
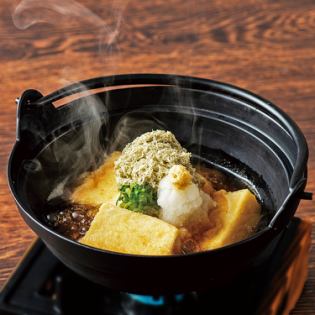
<point>99,186</point>
<point>234,218</point>
<point>125,231</point>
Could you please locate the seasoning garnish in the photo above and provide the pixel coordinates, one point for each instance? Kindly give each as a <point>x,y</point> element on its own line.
<point>148,158</point>
<point>138,198</point>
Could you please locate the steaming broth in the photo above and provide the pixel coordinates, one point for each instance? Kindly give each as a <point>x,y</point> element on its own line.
<point>71,220</point>
<point>74,219</point>
<point>196,207</point>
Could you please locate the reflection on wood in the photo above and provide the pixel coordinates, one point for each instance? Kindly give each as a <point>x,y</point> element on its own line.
<point>286,286</point>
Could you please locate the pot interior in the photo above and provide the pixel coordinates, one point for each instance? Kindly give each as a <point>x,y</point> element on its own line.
<point>219,129</point>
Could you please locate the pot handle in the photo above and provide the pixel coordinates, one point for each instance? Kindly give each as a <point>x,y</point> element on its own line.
<point>289,206</point>
<point>112,81</point>
<point>300,166</point>
<point>33,121</point>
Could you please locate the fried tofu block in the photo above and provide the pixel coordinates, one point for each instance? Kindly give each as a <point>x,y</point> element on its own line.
<point>234,218</point>
<point>99,186</point>
<point>125,231</point>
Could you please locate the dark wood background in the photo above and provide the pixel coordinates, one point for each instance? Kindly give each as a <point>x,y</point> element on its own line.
<point>264,46</point>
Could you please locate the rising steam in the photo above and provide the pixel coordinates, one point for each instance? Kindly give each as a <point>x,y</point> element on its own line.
<point>31,12</point>
<point>70,154</point>
<point>66,159</point>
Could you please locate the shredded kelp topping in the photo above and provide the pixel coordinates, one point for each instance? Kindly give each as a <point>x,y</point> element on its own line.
<point>148,158</point>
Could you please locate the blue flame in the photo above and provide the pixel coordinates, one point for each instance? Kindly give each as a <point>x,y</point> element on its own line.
<point>155,300</point>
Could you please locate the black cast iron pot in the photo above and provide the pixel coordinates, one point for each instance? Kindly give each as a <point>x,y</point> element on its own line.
<point>55,145</point>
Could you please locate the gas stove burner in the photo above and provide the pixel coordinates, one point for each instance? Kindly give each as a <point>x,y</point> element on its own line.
<point>42,285</point>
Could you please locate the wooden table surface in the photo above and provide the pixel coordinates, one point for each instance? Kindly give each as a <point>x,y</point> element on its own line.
<point>264,46</point>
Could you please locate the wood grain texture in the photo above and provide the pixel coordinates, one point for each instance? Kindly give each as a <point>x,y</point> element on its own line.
<point>264,46</point>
